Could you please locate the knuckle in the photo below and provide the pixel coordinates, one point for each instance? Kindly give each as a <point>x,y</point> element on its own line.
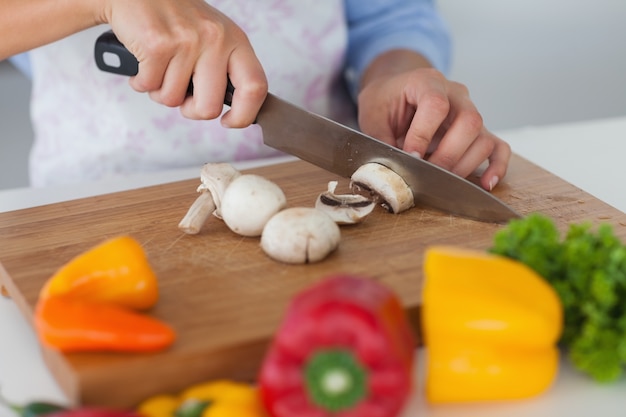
<point>209,112</point>
<point>438,103</point>
<point>238,123</point>
<point>446,160</point>
<point>502,151</point>
<point>473,120</point>
<point>485,147</point>
<point>145,84</point>
<point>170,99</point>
<point>158,44</point>
<point>460,88</point>
<point>430,73</point>
<point>191,110</point>
<point>214,32</point>
<point>254,90</point>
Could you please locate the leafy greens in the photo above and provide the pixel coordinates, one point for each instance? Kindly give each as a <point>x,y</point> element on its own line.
<point>588,271</point>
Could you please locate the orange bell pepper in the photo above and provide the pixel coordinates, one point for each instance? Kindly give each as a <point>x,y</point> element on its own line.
<point>89,303</point>
<point>116,271</point>
<point>73,325</point>
<point>490,326</point>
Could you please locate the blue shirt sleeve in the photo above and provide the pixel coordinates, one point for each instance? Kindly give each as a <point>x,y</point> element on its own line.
<point>22,63</point>
<point>377,26</point>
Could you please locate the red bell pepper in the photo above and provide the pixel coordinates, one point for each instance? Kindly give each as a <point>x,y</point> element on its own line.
<point>344,349</point>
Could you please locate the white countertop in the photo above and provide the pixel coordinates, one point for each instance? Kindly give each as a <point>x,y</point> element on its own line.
<point>588,154</point>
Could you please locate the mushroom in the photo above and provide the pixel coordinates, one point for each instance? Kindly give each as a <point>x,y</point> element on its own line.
<point>300,235</point>
<point>249,202</point>
<point>344,208</point>
<point>383,184</point>
<point>215,178</point>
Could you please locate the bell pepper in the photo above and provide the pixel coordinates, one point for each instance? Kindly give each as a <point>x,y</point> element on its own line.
<point>73,325</point>
<point>490,326</point>
<point>115,271</point>
<point>89,304</point>
<point>212,399</point>
<point>344,348</point>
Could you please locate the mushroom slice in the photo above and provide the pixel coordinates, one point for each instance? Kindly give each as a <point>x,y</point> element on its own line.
<point>344,208</point>
<point>249,202</point>
<point>300,235</point>
<point>215,178</point>
<point>384,184</point>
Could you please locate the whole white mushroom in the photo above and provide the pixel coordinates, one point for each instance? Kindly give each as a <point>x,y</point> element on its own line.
<point>300,235</point>
<point>249,202</point>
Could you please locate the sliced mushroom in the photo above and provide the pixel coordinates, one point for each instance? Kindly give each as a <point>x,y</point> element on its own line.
<point>249,202</point>
<point>344,208</point>
<point>300,235</point>
<point>383,184</point>
<point>215,178</point>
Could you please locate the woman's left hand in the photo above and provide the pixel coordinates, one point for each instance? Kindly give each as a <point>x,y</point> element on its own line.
<point>419,110</point>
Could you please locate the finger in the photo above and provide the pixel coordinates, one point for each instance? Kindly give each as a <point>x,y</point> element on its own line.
<point>431,111</point>
<point>248,78</point>
<point>209,88</point>
<point>154,57</point>
<point>176,80</point>
<point>375,126</point>
<point>498,163</point>
<point>477,153</point>
<point>150,75</point>
<point>374,120</point>
<point>465,128</point>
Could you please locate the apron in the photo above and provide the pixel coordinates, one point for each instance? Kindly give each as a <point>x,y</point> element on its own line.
<point>91,125</point>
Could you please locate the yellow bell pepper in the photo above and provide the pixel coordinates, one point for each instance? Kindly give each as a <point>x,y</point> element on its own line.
<point>490,327</point>
<point>116,271</point>
<point>220,398</point>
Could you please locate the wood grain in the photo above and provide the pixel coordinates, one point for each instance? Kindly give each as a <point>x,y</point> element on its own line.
<point>220,292</point>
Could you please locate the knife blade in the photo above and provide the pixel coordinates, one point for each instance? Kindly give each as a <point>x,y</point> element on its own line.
<point>341,149</point>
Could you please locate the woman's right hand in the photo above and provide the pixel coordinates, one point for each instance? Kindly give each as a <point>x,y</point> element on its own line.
<point>179,40</point>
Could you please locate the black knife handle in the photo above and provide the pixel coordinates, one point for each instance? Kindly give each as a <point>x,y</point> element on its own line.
<point>112,56</point>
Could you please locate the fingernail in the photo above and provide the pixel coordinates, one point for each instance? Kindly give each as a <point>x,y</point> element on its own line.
<point>415,154</point>
<point>493,182</point>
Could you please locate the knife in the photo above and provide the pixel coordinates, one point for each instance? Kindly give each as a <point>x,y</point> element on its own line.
<point>340,149</point>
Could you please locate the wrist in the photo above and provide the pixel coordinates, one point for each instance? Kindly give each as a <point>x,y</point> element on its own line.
<point>102,11</point>
<point>393,62</point>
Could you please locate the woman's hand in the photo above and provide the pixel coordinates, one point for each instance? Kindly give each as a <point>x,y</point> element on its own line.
<point>178,40</point>
<point>406,103</point>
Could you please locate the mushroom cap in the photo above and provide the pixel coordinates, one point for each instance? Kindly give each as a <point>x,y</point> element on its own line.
<point>249,202</point>
<point>216,177</point>
<point>386,184</point>
<point>300,235</point>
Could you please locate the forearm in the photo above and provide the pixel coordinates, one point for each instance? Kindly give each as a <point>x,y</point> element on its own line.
<point>391,63</point>
<point>25,25</point>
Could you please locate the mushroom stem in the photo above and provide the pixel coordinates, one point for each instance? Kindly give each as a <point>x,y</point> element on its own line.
<point>198,213</point>
<point>215,178</point>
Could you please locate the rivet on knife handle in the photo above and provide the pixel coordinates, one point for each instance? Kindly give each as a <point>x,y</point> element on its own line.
<point>112,56</point>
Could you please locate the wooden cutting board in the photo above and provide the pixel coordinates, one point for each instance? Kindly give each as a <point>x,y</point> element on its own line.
<point>220,292</point>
